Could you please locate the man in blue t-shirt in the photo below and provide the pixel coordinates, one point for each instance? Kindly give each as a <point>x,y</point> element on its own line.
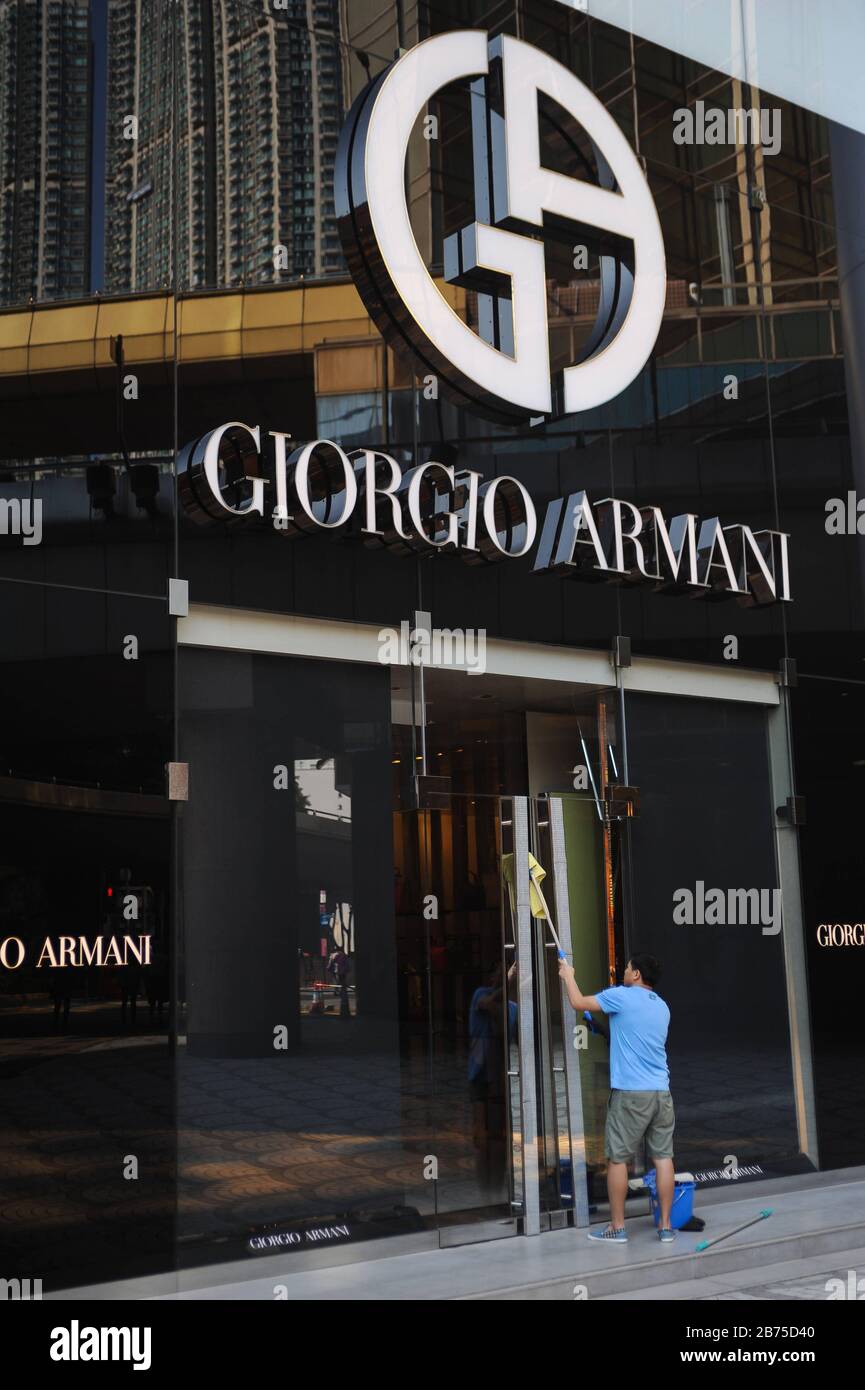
<point>640,1104</point>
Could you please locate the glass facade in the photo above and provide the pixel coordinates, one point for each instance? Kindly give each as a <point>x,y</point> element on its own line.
<point>319,1022</point>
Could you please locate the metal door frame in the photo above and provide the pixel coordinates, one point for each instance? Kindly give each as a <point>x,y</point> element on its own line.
<point>533,1020</point>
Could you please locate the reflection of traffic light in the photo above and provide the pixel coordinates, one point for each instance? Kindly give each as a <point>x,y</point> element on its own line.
<point>129,906</point>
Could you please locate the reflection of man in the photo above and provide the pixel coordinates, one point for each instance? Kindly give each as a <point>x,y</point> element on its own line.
<point>339,966</point>
<point>640,1104</point>
<point>486,1074</point>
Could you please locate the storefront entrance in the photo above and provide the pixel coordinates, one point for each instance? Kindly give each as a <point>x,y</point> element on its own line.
<point>372,1035</point>
<point>517,1085</point>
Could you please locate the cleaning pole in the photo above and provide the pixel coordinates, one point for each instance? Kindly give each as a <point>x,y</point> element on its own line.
<point>704,1244</point>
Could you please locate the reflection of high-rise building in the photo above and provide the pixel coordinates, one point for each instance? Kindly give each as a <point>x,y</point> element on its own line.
<point>257,105</point>
<point>139,149</point>
<point>316,116</point>
<point>45,96</point>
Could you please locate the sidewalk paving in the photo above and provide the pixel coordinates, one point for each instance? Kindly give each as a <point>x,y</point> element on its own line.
<point>817,1231</point>
<point>790,1280</point>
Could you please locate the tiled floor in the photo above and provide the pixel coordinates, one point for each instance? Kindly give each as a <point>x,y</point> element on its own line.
<point>266,1140</point>
<point>258,1141</point>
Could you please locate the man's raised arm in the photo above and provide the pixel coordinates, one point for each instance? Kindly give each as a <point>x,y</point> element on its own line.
<point>578,1000</point>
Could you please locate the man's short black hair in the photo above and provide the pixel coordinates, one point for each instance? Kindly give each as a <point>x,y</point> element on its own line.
<point>648,965</point>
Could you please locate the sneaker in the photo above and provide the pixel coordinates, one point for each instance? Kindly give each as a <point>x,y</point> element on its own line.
<point>665,1234</point>
<point>607,1233</point>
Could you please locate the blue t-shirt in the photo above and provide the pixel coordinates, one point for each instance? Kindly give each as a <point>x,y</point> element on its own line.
<point>638,1033</point>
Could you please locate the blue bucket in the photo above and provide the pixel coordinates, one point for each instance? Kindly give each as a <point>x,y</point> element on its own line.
<point>683,1201</point>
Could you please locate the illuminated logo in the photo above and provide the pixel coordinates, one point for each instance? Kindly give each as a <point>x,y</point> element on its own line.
<point>504,370</point>
<point>233,475</point>
<point>841,934</point>
<point>77,952</point>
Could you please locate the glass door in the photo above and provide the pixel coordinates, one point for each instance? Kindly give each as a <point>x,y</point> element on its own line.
<point>506,1083</point>
<point>459,1006</point>
<point>504,844</point>
<point>567,838</point>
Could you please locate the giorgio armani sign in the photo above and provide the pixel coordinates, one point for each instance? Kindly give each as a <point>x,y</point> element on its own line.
<point>78,952</point>
<point>504,369</point>
<point>237,475</point>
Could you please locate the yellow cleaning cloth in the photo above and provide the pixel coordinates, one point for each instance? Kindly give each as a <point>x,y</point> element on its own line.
<point>537,874</point>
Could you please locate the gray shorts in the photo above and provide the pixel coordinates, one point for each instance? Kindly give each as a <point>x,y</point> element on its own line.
<point>635,1115</point>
